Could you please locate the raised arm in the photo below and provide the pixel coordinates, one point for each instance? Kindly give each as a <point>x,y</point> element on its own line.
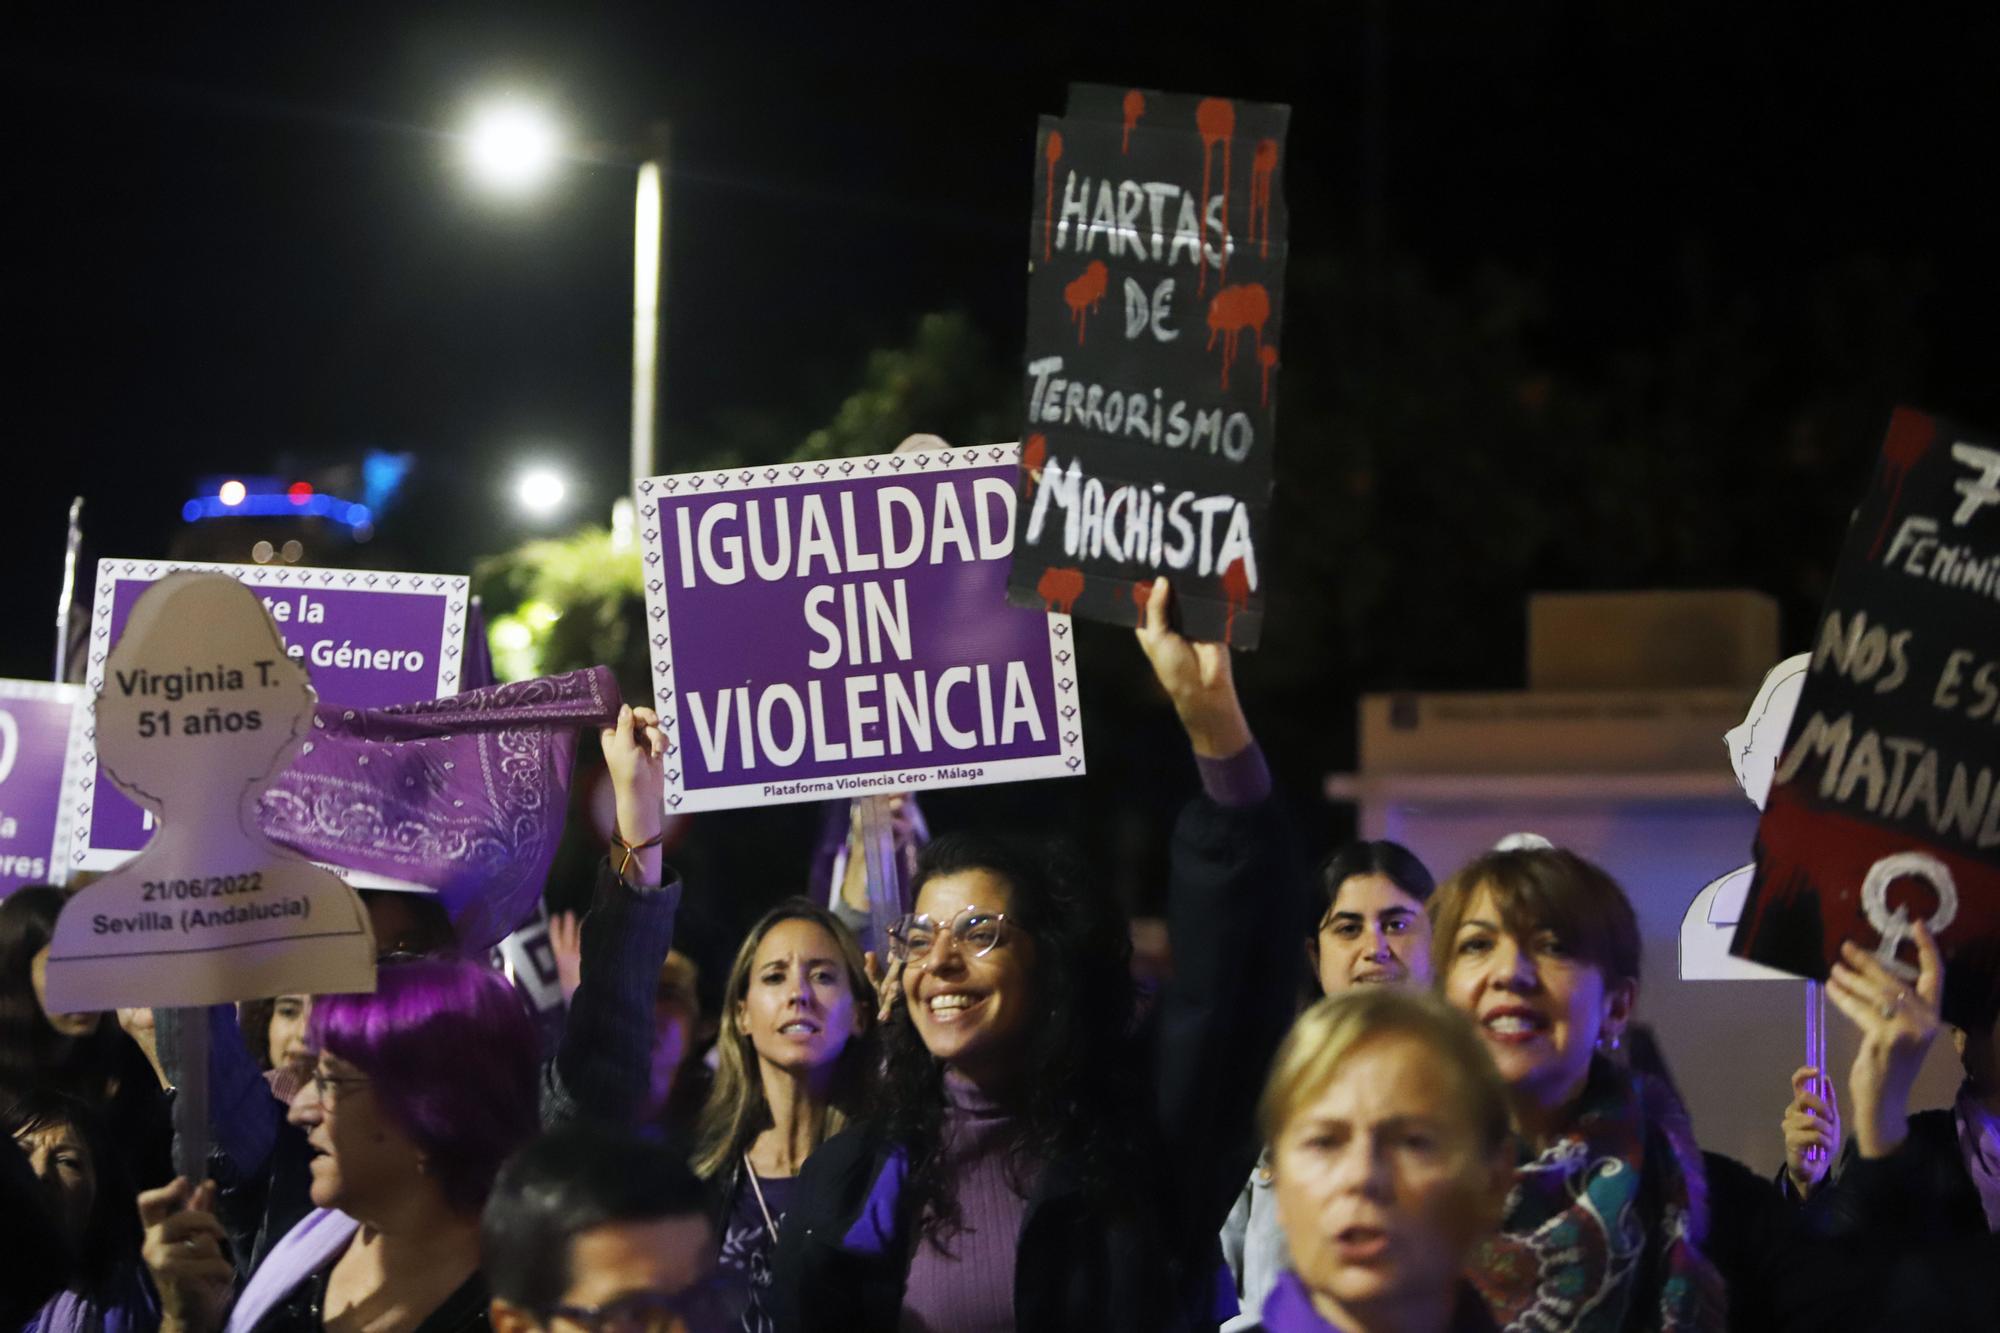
<point>1898,1022</point>
<point>602,1065</point>
<point>1233,894</point>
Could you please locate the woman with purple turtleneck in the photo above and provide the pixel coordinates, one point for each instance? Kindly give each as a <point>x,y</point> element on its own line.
<point>1038,1158</point>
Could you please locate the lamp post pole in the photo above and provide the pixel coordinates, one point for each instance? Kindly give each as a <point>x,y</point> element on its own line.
<point>649,248</point>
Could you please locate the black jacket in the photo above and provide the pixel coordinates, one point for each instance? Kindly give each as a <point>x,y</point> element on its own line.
<point>1912,1221</point>
<point>844,1251</point>
<point>1898,1242</point>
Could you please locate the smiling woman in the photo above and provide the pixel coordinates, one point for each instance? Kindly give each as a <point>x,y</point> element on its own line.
<point>1540,948</point>
<point>1038,1158</point>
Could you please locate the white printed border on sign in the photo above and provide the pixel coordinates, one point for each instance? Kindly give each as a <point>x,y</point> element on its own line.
<point>80,767</point>
<point>680,799</point>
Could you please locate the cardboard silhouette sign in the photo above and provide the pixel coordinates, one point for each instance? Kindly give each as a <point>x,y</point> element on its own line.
<point>1754,747</point>
<point>200,709</point>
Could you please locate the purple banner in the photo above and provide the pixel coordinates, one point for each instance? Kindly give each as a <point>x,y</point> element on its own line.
<point>839,628</point>
<point>35,722</point>
<point>368,639</point>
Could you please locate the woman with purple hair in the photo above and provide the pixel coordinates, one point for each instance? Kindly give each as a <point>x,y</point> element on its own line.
<point>420,1090</point>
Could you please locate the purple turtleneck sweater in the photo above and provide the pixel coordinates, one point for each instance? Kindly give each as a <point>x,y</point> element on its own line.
<point>967,1285</point>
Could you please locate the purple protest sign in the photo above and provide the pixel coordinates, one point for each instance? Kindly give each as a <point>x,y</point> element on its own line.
<point>838,628</point>
<point>368,638</point>
<point>35,719</point>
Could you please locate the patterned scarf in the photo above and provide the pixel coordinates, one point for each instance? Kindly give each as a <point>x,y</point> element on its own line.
<point>1603,1229</point>
<point>463,795</point>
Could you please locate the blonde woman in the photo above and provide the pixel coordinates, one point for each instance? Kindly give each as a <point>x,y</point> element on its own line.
<point>1390,1160</point>
<point>792,1064</point>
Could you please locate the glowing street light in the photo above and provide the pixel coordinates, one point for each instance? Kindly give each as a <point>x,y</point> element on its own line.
<point>512,146</point>
<point>540,491</point>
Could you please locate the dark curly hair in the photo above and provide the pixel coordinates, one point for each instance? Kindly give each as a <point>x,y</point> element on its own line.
<point>1085,1101</point>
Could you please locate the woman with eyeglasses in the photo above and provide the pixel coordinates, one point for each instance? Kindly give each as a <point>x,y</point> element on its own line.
<point>601,1068</point>
<point>1036,1159</point>
<point>419,1092</point>
<point>792,1065</point>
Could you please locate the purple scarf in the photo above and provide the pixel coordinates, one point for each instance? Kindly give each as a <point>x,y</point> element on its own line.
<point>321,1237</point>
<point>465,795</point>
<point>1289,1309</point>
<point>128,1307</point>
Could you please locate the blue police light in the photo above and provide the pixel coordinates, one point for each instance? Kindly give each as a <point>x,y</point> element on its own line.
<point>227,502</point>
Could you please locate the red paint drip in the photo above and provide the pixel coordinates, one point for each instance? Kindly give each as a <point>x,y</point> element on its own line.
<point>1267,357</point>
<point>1141,594</point>
<point>1263,167</point>
<point>1052,150</point>
<point>1135,107</point>
<point>1234,309</point>
<point>1811,862</point>
<point>1059,588</point>
<point>1086,293</point>
<point>1910,437</point>
<point>1215,118</point>
<point>1033,454</point>
<point>1236,587</point>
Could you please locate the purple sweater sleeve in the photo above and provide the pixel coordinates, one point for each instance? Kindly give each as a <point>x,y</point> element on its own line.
<point>1242,779</point>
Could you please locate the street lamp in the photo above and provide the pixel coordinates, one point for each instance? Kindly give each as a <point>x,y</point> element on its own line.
<point>540,491</point>
<point>514,148</point>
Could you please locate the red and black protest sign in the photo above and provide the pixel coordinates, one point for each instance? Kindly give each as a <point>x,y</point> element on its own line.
<point>1885,808</point>
<point>1157,255</point>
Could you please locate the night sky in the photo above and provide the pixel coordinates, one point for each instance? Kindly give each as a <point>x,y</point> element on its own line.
<point>244,243</point>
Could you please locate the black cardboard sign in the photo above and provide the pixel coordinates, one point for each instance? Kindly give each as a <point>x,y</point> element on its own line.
<point>1885,804</point>
<point>1157,259</point>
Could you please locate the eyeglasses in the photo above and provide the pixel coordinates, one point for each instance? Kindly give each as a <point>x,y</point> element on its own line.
<point>699,1308</point>
<point>912,938</point>
<point>322,1081</point>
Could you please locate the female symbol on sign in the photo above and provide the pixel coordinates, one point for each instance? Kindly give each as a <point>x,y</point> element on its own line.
<point>1896,926</point>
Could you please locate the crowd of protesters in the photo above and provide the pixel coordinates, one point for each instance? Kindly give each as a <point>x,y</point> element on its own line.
<point>1363,1100</point>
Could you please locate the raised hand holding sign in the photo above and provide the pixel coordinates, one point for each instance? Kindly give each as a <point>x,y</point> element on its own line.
<point>200,709</point>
